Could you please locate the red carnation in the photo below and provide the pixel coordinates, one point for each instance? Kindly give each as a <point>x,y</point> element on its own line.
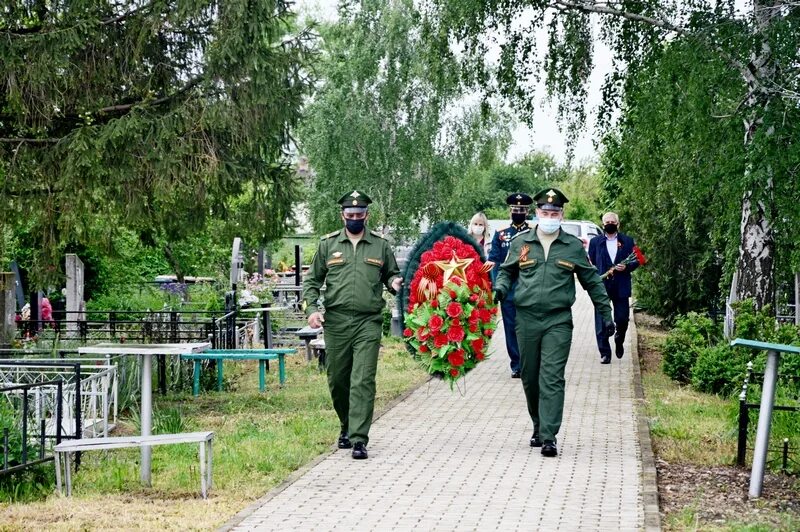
<point>422,334</point>
<point>455,333</point>
<point>452,294</point>
<point>488,332</point>
<point>456,280</point>
<point>473,327</point>
<point>486,316</point>
<point>454,309</point>
<point>440,340</point>
<point>435,303</point>
<point>456,358</point>
<point>454,372</point>
<point>494,310</point>
<point>473,298</point>
<point>436,322</point>
<point>477,345</point>
<point>479,356</point>
<point>481,303</point>
<point>408,332</point>
<point>423,348</point>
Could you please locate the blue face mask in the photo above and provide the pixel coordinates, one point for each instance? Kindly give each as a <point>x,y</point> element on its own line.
<point>354,226</point>
<point>549,225</point>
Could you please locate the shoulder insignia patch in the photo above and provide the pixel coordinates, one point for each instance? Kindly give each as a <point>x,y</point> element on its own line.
<point>375,233</point>
<point>329,235</point>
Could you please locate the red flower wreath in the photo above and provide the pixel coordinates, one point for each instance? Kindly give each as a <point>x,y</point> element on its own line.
<point>450,308</point>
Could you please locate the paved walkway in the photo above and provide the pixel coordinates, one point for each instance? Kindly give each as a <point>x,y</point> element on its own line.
<point>440,460</point>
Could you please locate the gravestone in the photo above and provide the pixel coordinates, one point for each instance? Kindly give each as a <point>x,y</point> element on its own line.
<point>8,307</point>
<point>75,305</point>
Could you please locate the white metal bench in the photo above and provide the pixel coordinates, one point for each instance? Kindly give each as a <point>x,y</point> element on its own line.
<point>96,444</point>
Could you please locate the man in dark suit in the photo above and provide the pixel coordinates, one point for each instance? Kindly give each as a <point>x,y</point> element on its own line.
<point>607,252</point>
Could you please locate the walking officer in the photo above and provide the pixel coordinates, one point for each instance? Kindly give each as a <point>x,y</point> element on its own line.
<point>354,264</point>
<point>544,262</point>
<point>519,205</point>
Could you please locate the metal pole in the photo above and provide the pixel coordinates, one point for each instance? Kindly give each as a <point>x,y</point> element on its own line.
<point>741,448</point>
<point>764,423</point>
<point>785,455</point>
<point>146,415</point>
<point>297,265</point>
<point>25,425</point>
<point>78,414</point>
<point>59,409</point>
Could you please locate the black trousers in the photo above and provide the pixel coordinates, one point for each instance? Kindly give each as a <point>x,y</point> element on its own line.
<point>622,310</point>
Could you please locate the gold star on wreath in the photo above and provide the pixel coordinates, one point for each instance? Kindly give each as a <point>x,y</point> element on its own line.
<point>454,267</point>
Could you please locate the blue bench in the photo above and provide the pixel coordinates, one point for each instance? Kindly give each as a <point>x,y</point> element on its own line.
<point>219,355</point>
<point>765,410</point>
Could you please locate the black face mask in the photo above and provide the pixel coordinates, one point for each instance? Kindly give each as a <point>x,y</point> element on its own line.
<point>354,226</point>
<point>518,218</point>
<point>610,228</point>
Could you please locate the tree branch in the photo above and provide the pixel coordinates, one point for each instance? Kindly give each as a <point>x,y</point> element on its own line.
<point>29,141</point>
<point>605,9</point>
<point>128,106</point>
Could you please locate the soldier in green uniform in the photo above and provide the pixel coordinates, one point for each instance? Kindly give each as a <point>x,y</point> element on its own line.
<point>354,264</point>
<point>544,262</point>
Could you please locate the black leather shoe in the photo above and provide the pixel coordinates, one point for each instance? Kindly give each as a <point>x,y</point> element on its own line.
<point>536,441</point>
<point>344,441</point>
<point>620,350</point>
<point>360,451</point>
<point>515,375</point>
<point>605,359</point>
<point>549,448</point>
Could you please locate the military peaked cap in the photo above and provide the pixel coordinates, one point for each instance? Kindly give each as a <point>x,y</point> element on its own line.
<point>519,200</point>
<point>550,199</point>
<point>354,199</point>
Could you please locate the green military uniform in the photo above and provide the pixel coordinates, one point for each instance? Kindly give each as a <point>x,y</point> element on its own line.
<point>354,279</point>
<point>544,295</point>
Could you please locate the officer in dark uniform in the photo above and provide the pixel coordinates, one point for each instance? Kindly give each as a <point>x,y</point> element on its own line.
<point>544,262</point>
<point>354,264</point>
<point>519,205</point>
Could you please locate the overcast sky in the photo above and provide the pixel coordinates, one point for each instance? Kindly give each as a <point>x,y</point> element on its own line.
<point>545,135</point>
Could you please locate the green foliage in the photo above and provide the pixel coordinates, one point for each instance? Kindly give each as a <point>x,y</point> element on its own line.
<point>159,120</point>
<point>719,369</point>
<point>385,121</point>
<point>695,352</point>
<point>691,334</point>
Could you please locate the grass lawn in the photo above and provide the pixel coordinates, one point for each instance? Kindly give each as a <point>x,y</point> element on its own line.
<point>694,441</point>
<point>260,439</point>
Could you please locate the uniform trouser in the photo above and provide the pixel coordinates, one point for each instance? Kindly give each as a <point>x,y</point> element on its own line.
<point>509,328</point>
<point>622,309</point>
<point>352,343</point>
<point>544,341</point>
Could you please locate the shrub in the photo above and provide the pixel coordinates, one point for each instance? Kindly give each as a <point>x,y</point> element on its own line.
<point>719,369</point>
<point>692,333</point>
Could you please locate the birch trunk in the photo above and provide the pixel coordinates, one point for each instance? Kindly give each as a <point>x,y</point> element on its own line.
<point>755,267</point>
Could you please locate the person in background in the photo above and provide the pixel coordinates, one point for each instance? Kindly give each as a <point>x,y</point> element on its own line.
<point>518,205</point>
<point>606,251</point>
<point>479,230</point>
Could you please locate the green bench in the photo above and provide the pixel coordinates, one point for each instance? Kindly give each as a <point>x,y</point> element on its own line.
<point>219,355</point>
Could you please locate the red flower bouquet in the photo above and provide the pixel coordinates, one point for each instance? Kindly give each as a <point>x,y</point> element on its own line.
<point>449,314</point>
